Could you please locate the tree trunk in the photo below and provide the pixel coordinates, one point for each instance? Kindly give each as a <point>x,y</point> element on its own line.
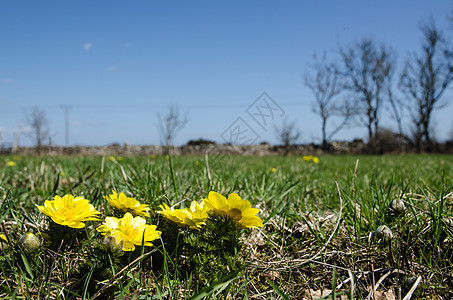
<point>324,139</point>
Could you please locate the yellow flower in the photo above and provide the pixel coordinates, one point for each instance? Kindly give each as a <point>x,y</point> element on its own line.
<point>130,230</point>
<point>308,157</point>
<point>198,212</point>
<point>273,170</point>
<point>175,215</point>
<point>236,208</point>
<point>3,238</point>
<point>193,217</point>
<point>315,160</point>
<point>11,163</point>
<point>112,158</point>
<point>128,204</point>
<point>70,211</point>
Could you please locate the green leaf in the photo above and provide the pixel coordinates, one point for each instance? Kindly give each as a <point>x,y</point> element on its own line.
<point>27,265</point>
<point>87,281</point>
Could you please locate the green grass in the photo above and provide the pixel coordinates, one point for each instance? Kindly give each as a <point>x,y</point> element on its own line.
<point>305,249</point>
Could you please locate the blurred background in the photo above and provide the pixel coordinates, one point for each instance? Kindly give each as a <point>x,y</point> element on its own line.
<point>104,72</point>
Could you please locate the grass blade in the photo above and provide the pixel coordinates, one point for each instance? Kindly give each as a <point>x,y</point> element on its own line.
<point>277,290</point>
<point>219,285</point>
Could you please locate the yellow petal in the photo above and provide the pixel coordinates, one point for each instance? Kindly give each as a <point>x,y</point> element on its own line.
<point>251,222</point>
<point>236,202</point>
<point>216,200</point>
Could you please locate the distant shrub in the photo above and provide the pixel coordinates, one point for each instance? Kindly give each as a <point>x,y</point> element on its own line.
<point>200,142</point>
<point>388,141</point>
<point>114,145</point>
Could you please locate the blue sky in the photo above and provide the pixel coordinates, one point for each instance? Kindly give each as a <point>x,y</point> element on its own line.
<point>117,64</point>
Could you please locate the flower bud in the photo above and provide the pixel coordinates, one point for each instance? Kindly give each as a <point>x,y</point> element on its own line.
<point>3,242</point>
<point>396,207</point>
<point>46,240</point>
<point>448,222</point>
<point>29,242</point>
<point>106,274</point>
<point>382,233</point>
<point>410,282</point>
<point>111,244</point>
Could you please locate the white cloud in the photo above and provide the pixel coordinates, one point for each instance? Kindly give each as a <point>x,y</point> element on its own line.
<point>112,68</point>
<point>127,45</point>
<point>87,46</point>
<point>7,80</point>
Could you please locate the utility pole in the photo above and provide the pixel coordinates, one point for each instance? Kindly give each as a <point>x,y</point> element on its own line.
<point>16,141</point>
<point>66,110</point>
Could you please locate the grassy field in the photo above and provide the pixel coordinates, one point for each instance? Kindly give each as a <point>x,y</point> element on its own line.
<point>320,237</point>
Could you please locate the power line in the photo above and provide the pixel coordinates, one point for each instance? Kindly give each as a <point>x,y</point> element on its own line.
<point>153,106</point>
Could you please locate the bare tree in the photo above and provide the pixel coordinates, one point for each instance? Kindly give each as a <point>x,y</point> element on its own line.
<point>368,71</point>
<point>424,80</point>
<point>397,109</point>
<point>287,134</point>
<point>39,131</point>
<point>324,80</point>
<point>169,125</point>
